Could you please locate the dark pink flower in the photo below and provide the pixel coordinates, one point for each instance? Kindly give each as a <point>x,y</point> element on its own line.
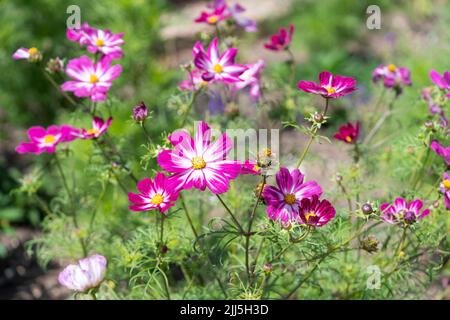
<point>444,187</point>
<point>250,167</point>
<point>214,16</point>
<point>284,200</point>
<point>154,195</point>
<point>282,40</point>
<point>348,133</point>
<point>443,82</point>
<point>251,79</point>
<point>216,66</point>
<point>392,76</point>
<point>46,140</point>
<point>140,112</point>
<point>329,86</point>
<point>314,212</point>
<point>402,212</point>
<point>99,127</point>
<point>441,151</point>
<point>197,162</point>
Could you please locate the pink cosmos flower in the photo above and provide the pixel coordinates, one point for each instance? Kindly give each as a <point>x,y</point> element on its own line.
<point>392,76</point>
<point>284,200</point>
<point>329,86</point>
<point>235,11</point>
<point>154,195</point>
<point>194,83</point>
<point>250,167</point>
<point>96,40</point>
<point>282,40</point>
<point>316,213</point>
<point>444,187</point>
<point>46,140</point>
<point>348,133</point>
<point>443,152</point>
<point>31,54</point>
<point>215,16</point>
<point>90,80</point>
<point>99,127</point>
<point>443,82</point>
<point>401,211</point>
<point>86,275</point>
<point>216,66</point>
<point>251,78</point>
<point>197,162</point>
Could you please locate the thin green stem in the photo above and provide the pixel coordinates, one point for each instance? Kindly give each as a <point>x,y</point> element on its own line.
<point>231,214</point>
<point>189,107</point>
<point>65,95</point>
<point>188,216</point>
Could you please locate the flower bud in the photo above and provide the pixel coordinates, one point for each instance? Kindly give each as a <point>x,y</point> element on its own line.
<point>318,117</point>
<point>369,244</point>
<point>268,268</point>
<point>367,208</point>
<point>55,65</point>
<point>338,178</point>
<point>429,125</point>
<point>409,217</point>
<point>164,249</point>
<point>140,112</point>
<point>264,158</point>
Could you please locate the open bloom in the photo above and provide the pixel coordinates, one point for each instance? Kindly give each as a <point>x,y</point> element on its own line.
<point>443,152</point>
<point>444,187</point>
<point>235,10</point>
<point>281,40</point>
<point>348,133</point>
<point>99,127</point>
<point>443,82</point>
<point>216,66</point>
<point>154,195</point>
<point>31,54</point>
<point>251,78</point>
<point>96,40</point>
<point>403,212</point>
<point>90,80</point>
<point>197,162</point>
<point>86,275</point>
<point>314,212</point>
<point>214,16</point>
<point>283,201</point>
<point>194,83</point>
<point>46,140</point>
<point>392,76</point>
<point>329,86</point>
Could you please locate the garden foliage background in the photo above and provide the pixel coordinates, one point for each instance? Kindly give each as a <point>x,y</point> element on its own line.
<point>330,35</point>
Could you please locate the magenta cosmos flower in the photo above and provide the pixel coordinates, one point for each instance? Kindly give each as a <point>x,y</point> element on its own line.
<point>216,66</point>
<point>329,86</point>
<point>392,76</point>
<point>214,16</point>
<point>96,40</point>
<point>444,187</point>
<point>443,152</point>
<point>284,200</point>
<point>194,83</point>
<point>46,140</point>
<point>197,162</point>
<point>250,167</point>
<point>251,79</point>
<point>443,82</point>
<point>314,212</point>
<point>31,54</point>
<point>99,127</point>
<point>402,212</point>
<point>86,275</point>
<point>281,40</point>
<point>90,80</point>
<point>154,195</point>
<point>235,10</point>
<point>348,133</point>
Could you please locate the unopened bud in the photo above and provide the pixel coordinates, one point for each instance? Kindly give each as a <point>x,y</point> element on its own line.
<point>370,244</point>
<point>55,65</point>
<point>318,117</point>
<point>268,268</point>
<point>140,112</point>
<point>429,125</point>
<point>367,208</point>
<point>338,178</point>
<point>264,158</point>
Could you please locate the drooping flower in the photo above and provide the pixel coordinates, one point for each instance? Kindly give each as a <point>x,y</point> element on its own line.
<point>197,162</point>
<point>443,152</point>
<point>140,112</point>
<point>281,40</point>
<point>90,80</point>
<point>99,127</point>
<point>216,66</point>
<point>443,82</point>
<point>87,274</point>
<point>46,140</point>
<point>403,212</point>
<point>348,133</point>
<point>96,40</point>
<point>251,78</point>
<point>214,16</point>
<point>194,83</point>
<point>392,76</point>
<point>284,200</point>
<point>235,10</point>
<point>444,187</point>
<point>329,86</point>
<point>154,195</point>
<point>314,212</point>
<point>32,54</point>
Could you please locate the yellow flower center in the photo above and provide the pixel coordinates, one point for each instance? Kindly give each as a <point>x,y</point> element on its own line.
<point>330,90</point>
<point>392,67</point>
<point>49,138</point>
<point>198,163</point>
<point>289,198</point>
<point>99,42</point>
<point>446,184</point>
<point>256,168</point>
<point>157,199</point>
<point>309,215</point>
<point>217,68</point>
<point>212,19</point>
<point>92,131</point>
<point>93,78</point>
<point>33,51</point>
<point>348,139</point>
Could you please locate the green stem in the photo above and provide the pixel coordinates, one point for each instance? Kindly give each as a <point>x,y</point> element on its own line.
<point>189,107</point>
<point>231,214</point>
<point>188,216</point>
<point>65,95</point>
<point>291,62</point>
<point>147,135</point>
